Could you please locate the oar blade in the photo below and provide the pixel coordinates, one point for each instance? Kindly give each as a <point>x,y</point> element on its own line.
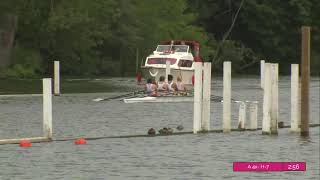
<point>97,99</point>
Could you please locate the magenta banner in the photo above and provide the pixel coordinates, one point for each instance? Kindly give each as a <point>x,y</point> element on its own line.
<point>269,166</point>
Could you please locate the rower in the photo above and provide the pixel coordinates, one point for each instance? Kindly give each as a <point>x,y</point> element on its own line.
<point>149,86</point>
<point>162,85</point>
<point>172,86</point>
<point>154,88</point>
<point>180,85</point>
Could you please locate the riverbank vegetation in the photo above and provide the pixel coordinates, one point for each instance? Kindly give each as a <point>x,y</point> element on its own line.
<point>101,37</point>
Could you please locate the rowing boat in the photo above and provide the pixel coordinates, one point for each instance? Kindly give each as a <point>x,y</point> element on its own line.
<point>160,99</point>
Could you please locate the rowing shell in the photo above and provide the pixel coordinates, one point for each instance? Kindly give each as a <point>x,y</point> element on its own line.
<point>163,99</point>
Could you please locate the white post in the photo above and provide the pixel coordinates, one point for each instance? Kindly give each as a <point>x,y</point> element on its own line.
<point>56,78</point>
<point>274,70</point>
<point>227,96</point>
<point>253,114</point>
<point>242,115</point>
<point>168,63</point>
<point>262,73</point>
<point>295,99</point>
<point>197,112</point>
<point>47,108</point>
<point>266,100</point>
<point>206,97</point>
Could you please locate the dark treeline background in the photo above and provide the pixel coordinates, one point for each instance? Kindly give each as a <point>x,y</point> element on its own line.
<point>101,37</point>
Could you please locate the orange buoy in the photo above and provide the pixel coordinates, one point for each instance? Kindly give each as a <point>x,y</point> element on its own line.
<point>25,143</point>
<point>80,141</point>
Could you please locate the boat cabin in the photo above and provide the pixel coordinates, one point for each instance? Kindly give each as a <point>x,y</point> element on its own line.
<point>180,54</point>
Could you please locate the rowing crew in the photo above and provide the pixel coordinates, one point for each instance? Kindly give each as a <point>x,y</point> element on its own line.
<point>162,87</point>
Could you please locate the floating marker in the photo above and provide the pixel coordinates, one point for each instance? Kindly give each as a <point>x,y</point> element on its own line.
<point>25,143</point>
<point>80,141</point>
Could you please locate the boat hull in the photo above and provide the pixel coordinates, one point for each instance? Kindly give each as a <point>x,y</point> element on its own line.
<point>152,72</point>
<point>162,99</point>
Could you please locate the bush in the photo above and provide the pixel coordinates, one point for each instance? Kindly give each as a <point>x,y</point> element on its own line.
<point>26,63</point>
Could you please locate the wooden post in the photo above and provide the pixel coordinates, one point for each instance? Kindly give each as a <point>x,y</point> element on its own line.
<point>305,78</point>
<point>226,96</point>
<point>274,70</point>
<point>47,108</point>
<point>253,115</point>
<point>295,100</point>
<point>262,73</point>
<point>137,60</point>
<point>56,78</point>
<point>206,97</point>
<point>242,115</point>
<point>168,63</point>
<point>266,121</point>
<point>197,109</point>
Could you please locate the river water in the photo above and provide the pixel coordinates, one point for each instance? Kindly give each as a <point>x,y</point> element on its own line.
<point>204,156</point>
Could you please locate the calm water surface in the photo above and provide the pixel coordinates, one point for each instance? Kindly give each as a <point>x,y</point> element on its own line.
<point>208,156</point>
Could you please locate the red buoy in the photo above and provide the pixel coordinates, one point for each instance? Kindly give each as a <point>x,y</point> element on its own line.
<point>80,141</point>
<point>25,143</point>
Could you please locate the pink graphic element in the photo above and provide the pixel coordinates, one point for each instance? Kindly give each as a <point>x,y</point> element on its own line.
<point>269,166</point>
<point>294,166</point>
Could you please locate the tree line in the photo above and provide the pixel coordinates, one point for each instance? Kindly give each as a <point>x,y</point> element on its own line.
<point>101,37</point>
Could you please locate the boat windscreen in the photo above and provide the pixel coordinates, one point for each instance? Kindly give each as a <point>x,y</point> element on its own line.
<point>163,48</point>
<point>161,60</point>
<point>180,48</point>
<point>175,48</point>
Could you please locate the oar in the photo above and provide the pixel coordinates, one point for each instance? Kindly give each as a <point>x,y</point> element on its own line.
<point>132,96</point>
<point>119,96</point>
<point>220,98</point>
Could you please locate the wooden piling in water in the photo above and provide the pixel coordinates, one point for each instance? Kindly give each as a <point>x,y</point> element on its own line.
<point>274,70</point>
<point>47,108</point>
<point>295,99</point>
<point>56,78</point>
<point>262,62</point>
<point>206,97</point>
<point>305,78</point>
<point>197,108</point>
<point>266,120</point>
<point>253,115</point>
<point>226,96</point>
<point>242,115</point>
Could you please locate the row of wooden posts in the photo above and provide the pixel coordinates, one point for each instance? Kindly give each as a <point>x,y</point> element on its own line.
<point>270,87</point>
<point>202,90</point>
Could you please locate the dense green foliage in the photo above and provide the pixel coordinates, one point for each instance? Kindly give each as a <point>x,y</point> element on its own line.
<point>100,37</point>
